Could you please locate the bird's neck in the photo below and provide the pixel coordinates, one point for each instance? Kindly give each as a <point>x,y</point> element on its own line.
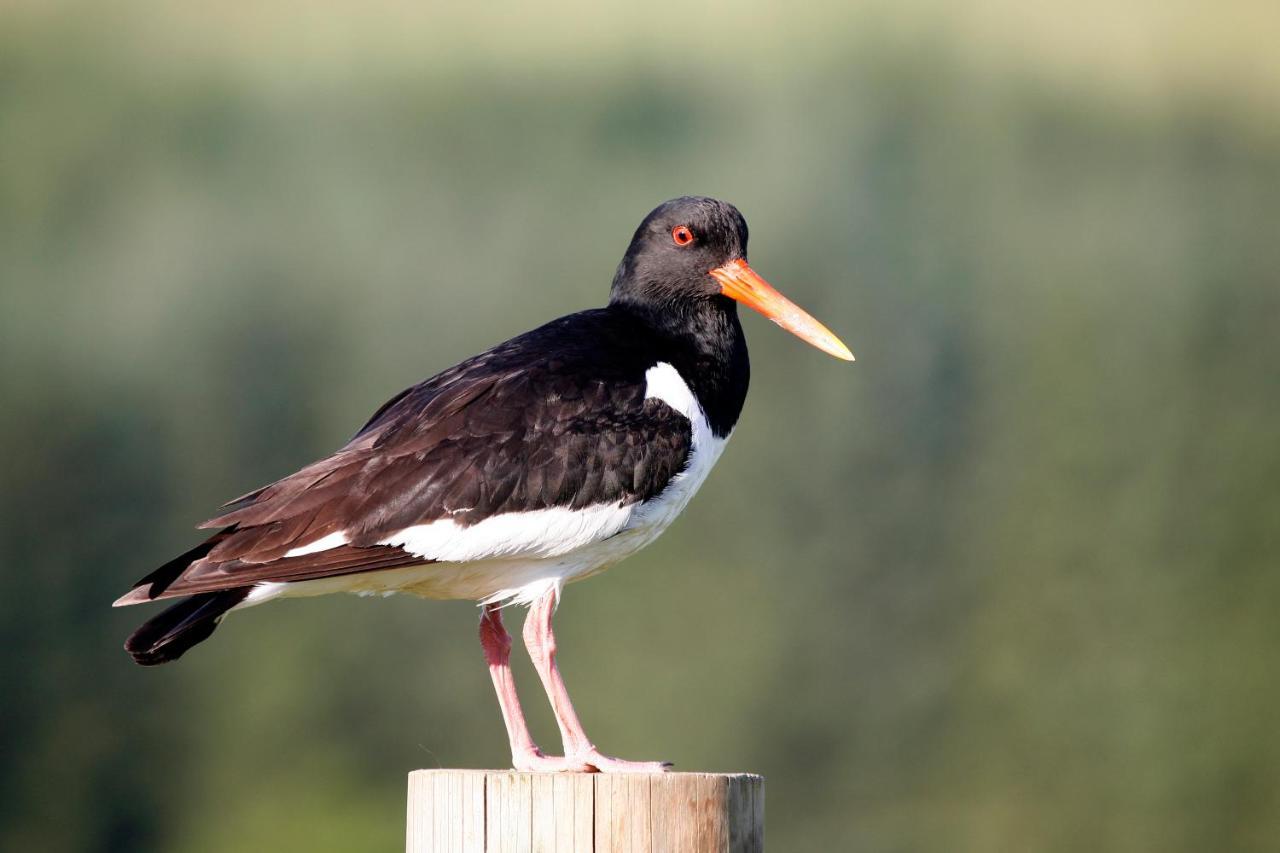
<point>703,340</point>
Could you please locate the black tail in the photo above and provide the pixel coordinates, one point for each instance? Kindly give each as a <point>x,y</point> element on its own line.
<point>172,632</point>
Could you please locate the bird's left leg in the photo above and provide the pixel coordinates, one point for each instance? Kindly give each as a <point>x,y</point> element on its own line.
<point>541,642</point>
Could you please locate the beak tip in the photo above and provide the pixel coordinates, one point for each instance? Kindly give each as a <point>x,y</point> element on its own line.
<point>833,346</point>
<point>843,354</point>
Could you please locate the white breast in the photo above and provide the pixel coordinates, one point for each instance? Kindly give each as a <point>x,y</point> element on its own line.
<point>663,382</point>
<point>515,557</point>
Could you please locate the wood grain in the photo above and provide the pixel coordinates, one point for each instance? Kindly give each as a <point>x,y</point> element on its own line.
<point>502,811</point>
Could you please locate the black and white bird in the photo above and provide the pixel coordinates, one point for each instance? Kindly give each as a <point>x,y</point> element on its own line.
<point>541,461</point>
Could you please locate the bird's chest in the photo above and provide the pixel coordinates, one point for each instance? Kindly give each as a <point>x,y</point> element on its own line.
<point>648,520</point>
<point>653,516</point>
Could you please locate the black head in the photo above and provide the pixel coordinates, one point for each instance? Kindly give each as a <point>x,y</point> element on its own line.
<point>688,259</point>
<point>674,250</point>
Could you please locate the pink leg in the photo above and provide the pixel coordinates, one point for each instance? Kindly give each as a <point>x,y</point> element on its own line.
<point>541,642</point>
<point>525,754</point>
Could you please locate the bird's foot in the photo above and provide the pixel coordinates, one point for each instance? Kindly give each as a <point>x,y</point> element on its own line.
<point>605,764</point>
<point>587,761</point>
<point>534,761</point>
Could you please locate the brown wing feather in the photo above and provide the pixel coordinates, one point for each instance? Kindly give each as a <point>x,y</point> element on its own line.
<point>208,575</point>
<point>555,418</point>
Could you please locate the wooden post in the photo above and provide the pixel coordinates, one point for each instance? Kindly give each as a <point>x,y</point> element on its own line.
<point>502,811</point>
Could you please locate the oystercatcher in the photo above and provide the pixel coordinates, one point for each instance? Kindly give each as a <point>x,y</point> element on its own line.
<point>541,461</point>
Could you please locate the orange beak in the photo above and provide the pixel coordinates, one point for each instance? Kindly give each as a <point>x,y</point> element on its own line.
<point>740,283</point>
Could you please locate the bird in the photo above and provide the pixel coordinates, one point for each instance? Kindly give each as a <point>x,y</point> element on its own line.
<point>543,460</point>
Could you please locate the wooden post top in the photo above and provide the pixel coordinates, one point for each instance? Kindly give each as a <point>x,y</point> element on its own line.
<point>505,811</point>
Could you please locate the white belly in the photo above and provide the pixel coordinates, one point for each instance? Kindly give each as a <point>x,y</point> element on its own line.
<point>516,557</point>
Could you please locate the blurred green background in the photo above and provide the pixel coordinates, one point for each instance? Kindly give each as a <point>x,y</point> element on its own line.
<point>1008,582</point>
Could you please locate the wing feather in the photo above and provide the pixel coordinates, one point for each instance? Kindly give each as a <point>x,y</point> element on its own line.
<point>508,431</point>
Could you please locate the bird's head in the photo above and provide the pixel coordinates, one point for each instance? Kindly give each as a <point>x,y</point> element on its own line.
<point>694,249</point>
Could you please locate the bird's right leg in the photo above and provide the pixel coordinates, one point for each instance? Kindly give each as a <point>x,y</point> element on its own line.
<point>525,754</point>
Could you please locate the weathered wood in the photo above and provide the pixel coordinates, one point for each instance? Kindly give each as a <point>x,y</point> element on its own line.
<point>502,811</point>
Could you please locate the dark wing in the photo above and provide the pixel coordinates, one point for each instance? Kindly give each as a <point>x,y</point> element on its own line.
<point>555,418</point>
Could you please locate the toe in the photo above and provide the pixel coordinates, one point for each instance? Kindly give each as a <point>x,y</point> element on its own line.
<point>605,764</point>
<point>539,763</point>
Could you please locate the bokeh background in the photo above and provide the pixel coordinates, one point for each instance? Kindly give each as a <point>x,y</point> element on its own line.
<point>1009,582</point>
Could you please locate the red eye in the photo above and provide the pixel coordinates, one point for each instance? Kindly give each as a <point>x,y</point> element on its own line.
<point>682,235</point>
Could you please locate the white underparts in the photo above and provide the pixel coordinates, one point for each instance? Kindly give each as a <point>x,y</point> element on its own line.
<point>542,533</point>
<point>516,557</point>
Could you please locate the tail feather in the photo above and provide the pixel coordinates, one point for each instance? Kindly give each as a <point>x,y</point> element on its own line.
<point>161,579</point>
<point>168,635</point>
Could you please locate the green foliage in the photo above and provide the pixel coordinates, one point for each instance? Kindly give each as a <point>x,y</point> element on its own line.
<point>1006,583</point>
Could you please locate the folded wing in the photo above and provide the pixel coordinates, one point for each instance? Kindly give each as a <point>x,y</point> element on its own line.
<point>499,438</point>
